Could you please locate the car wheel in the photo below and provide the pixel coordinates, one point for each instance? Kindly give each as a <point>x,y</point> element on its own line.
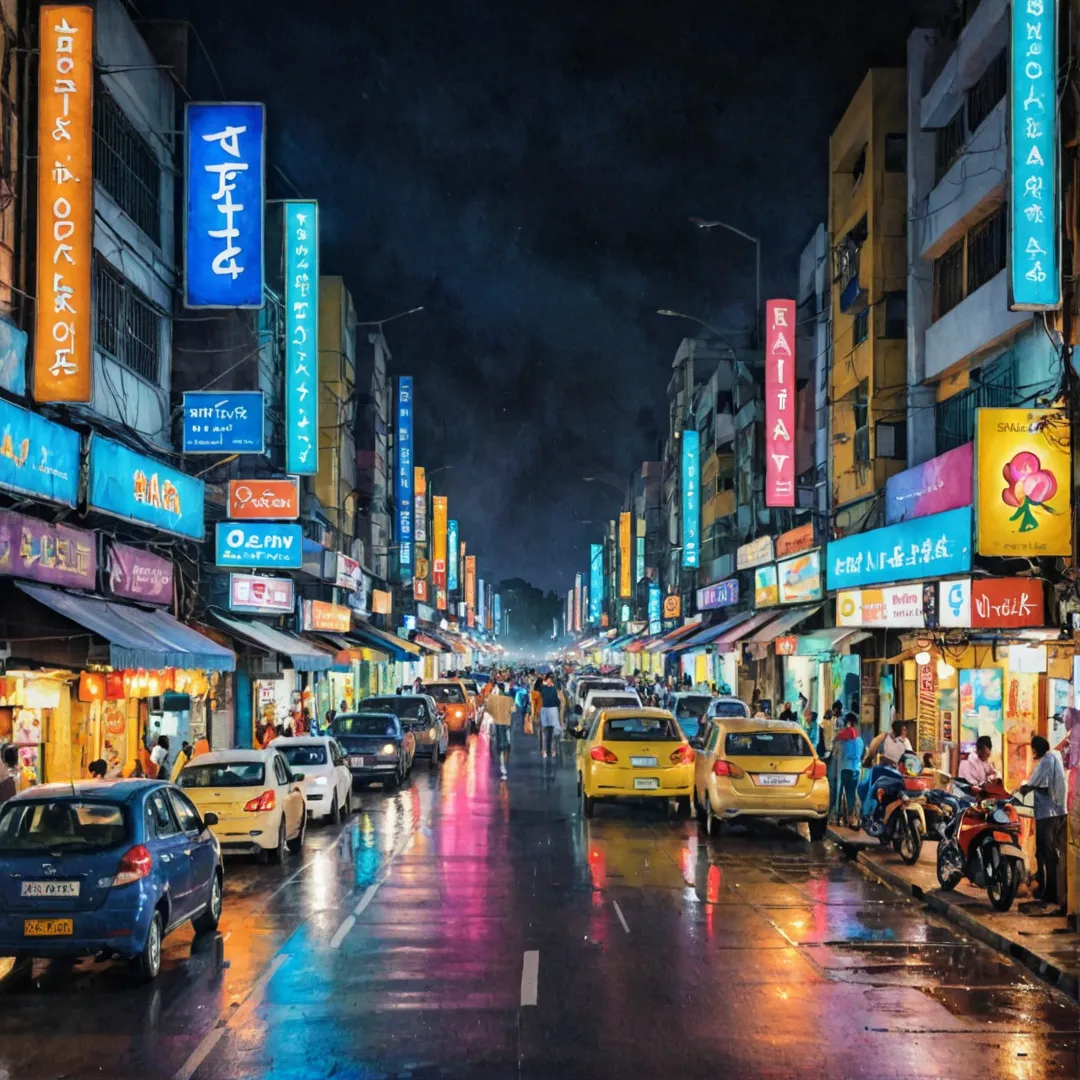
<point>277,855</point>
<point>147,964</point>
<point>818,828</point>
<point>391,782</point>
<point>588,805</point>
<point>297,845</point>
<point>711,822</point>
<point>207,922</point>
<point>347,811</point>
<point>335,811</point>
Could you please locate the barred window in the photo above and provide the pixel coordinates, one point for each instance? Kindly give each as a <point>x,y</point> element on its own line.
<point>860,327</point>
<point>948,144</point>
<point>125,164</point>
<point>986,250</point>
<point>987,91</point>
<point>949,279</point>
<point>127,326</point>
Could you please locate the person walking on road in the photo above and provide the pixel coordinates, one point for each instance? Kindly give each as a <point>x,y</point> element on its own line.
<point>848,750</point>
<point>1047,780</point>
<point>549,716</point>
<point>500,707</point>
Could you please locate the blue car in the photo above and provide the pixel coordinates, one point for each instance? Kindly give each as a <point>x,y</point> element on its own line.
<point>105,868</point>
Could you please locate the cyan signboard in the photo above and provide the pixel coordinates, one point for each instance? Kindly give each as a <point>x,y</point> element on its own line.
<point>258,543</point>
<point>140,488</point>
<point>38,457</point>
<point>656,609</point>
<point>12,358</point>
<point>596,583</point>
<point>452,556</point>
<point>302,337</point>
<point>691,501</point>
<point>223,204</point>
<point>927,547</point>
<point>228,423</point>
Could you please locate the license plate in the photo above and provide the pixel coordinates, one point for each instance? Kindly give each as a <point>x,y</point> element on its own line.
<point>643,762</point>
<point>356,761</point>
<point>48,927</point>
<point>645,783</point>
<point>49,888</point>
<point>776,779</point>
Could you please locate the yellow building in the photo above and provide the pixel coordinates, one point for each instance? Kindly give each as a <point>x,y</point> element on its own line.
<point>335,484</point>
<point>9,151</point>
<point>868,379</point>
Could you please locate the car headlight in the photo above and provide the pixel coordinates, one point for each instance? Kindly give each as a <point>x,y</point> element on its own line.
<point>388,748</point>
<point>431,733</point>
<point>321,781</point>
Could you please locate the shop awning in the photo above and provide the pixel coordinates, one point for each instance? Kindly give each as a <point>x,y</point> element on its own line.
<point>348,651</point>
<point>304,655</point>
<point>662,644</point>
<point>643,643</point>
<point>620,643</point>
<point>711,633</point>
<point>430,643</point>
<point>398,648</point>
<point>729,639</point>
<point>780,624</point>
<point>830,640</point>
<point>138,637</point>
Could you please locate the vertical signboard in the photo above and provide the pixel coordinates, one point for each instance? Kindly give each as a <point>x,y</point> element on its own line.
<point>577,602</point>
<point>223,204</point>
<point>302,338</point>
<point>1034,269</point>
<point>470,582</point>
<point>639,568</point>
<point>780,403</point>
<point>481,602</point>
<point>405,475</point>
<point>438,549</point>
<point>691,503</point>
<point>596,583</point>
<point>656,609</point>
<point>64,346</point>
<point>626,555</point>
<point>420,504</point>
<point>496,605</point>
<point>452,556</point>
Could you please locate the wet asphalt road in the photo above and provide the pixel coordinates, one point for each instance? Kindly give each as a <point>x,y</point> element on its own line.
<point>464,928</point>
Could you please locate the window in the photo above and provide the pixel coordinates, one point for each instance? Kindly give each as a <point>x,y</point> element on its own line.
<point>641,729</point>
<point>159,819</point>
<point>858,168</point>
<point>281,770</point>
<point>986,250</point>
<point>771,744</point>
<point>949,279</point>
<point>860,327</point>
<point>62,825</point>
<point>304,754</point>
<point>185,812</point>
<point>861,410</point>
<point>896,153</point>
<point>223,774</point>
<point>385,727</point>
<point>125,164</point>
<point>896,315</point>
<point>948,144</point>
<point>987,92</point>
<point>128,327</point>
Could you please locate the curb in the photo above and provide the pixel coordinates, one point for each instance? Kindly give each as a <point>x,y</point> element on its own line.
<point>1065,981</point>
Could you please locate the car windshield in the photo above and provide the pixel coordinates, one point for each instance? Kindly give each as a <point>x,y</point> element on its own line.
<point>446,693</point>
<point>692,706</point>
<point>402,707</point>
<point>62,825</point>
<point>613,701</point>
<point>304,754</point>
<point>766,744</point>
<point>730,708</point>
<point>223,774</point>
<point>364,725</point>
<point>471,686</point>
<point>639,728</point>
<point>599,684</point>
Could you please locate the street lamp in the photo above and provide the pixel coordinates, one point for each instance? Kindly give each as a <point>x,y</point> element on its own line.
<point>700,322</point>
<point>701,223</point>
<point>400,315</point>
<point>620,488</point>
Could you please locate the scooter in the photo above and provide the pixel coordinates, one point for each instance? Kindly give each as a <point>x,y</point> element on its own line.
<point>896,815</point>
<point>982,844</point>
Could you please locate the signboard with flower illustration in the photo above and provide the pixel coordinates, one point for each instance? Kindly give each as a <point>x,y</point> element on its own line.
<point>1023,485</point>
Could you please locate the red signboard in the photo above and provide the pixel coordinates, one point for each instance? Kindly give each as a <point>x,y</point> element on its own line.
<point>795,540</point>
<point>787,645</point>
<point>780,403</point>
<point>264,500</point>
<point>1007,602</point>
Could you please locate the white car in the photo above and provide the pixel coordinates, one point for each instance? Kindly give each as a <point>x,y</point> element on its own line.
<point>596,700</point>
<point>259,801</point>
<point>327,780</point>
<point>728,706</point>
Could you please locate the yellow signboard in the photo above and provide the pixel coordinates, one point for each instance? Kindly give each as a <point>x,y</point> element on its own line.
<point>626,575</point>
<point>1023,482</point>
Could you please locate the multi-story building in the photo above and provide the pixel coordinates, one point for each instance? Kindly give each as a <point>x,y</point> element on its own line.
<point>374,464</point>
<point>867,178</point>
<point>813,344</point>
<point>11,178</point>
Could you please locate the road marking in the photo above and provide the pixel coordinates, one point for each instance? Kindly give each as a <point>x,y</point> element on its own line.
<point>530,976</point>
<point>215,1034</point>
<point>622,918</point>
<point>369,895</point>
<point>342,930</point>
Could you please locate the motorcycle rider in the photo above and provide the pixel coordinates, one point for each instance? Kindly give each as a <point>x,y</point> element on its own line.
<point>892,745</point>
<point>977,768</point>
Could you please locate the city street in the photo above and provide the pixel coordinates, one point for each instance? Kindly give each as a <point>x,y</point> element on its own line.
<point>467,928</point>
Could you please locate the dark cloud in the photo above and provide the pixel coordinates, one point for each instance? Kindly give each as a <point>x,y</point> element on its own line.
<point>526,172</point>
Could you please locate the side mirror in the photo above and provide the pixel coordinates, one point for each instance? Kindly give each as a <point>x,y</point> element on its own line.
<point>298,777</point>
<point>210,818</point>
<point>696,743</point>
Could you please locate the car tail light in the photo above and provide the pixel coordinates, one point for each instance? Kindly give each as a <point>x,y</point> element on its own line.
<point>725,768</point>
<point>683,755</point>
<point>816,770</point>
<point>264,802</point>
<point>602,753</point>
<point>134,866</point>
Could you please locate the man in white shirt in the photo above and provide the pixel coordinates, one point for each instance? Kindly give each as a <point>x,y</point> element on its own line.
<point>977,768</point>
<point>160,756</point>
<point>892,746</point>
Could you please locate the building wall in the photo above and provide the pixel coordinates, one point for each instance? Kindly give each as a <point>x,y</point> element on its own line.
<point>10,145</point>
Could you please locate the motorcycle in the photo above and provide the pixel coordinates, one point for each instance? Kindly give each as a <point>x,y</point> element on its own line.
<point>897,814</point>
<point>982,844</point>
<point>942,808</point>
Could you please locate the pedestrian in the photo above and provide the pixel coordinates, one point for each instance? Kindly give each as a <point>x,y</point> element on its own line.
<point>1047,781</point>
<point>500,707</point>
<point>418,685</point>
<point>816,736</point>
<point>787,714</point>
<point>848,750</point>
<point>9,773</point>
<point>536,703</point>
<point>549,717</point>
<point>892,745</point>
<point>977,769</point>
<point>181,760</point>
<point>159,757</point>
<point>97,769</point>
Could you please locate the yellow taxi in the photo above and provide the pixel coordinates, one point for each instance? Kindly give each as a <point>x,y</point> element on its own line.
<point>633,753</point>
<point>747,768</point>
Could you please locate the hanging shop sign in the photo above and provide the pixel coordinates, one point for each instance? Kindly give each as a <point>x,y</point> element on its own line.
<point>264,500</point>
<point>719,594</point>
<point>596,583</point>
<point>51,554</point>
<point>422,566</point>
<point>691,501</point>
<point>136,574</point>
<point>993,603</point>
<point>382,602</point>
<point>254,544</point>
<point>452,556</point>
<point>420,505</point>
<point>780,403</point>
<point>470,580</point>
<point>577,602</point>
<point>626,555</point>
<point>38,457</point>
<point>1034,268</point>
<point>639,551</point>
<point>799,578</point>
<point>481,603</point>
<point>896,607</point>
<point>795,540</point>
<point>438,537</point>
<point>788,645</point>
<point>754,553</point>
<point>64,340</point>
<point>404,482</point>
<point>420,589</point>
<point>230,423</point>
<point>319,615</point>
<point>672,606</point>
<point>1023,495</point>
<point>347,572</point>
<point>656,608</point>
<point>137,487</point>
<point>302,337</point>
<point>224,204</point>
<point>12,358</point>
<point>933,546</point>
<point>766,586</point>
<point>942,483</point>
<point>261,595</point>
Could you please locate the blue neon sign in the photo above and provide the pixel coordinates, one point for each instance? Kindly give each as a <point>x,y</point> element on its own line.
<point>656,609</point>
<point>596,583</point>
<point>223,204</point>
<point>259,543</point>
<point>302,337</point>
<point>691,508</point>
<point>228,423</point>
<point>452,556</point>
<point>404,483</point>
<point>37,456</point>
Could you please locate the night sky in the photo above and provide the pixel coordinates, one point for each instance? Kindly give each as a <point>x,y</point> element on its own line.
<point>526,172</point>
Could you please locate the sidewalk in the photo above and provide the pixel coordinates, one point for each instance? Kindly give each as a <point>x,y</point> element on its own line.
<point>1044,945</point>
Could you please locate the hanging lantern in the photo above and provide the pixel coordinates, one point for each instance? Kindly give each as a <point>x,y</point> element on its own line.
<point>91,686</point>
<point>114,686</point>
